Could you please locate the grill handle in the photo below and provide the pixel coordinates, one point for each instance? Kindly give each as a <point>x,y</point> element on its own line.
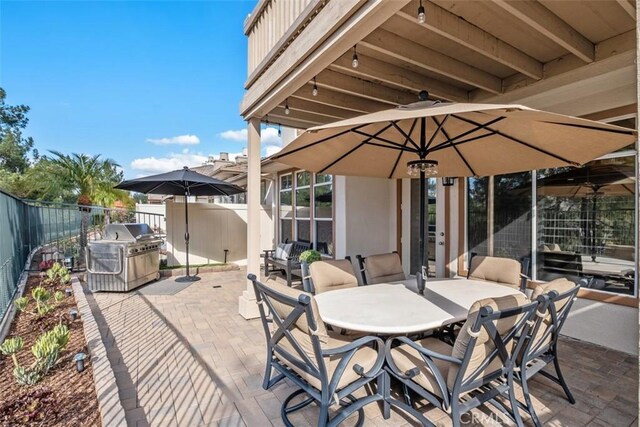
<point>106,273</point>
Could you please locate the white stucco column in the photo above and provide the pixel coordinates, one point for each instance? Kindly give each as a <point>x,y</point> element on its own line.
<point>247,306</point>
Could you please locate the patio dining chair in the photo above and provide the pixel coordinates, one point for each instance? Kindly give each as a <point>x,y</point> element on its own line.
<point>541,348</point>
<point>476,370</point>
<point>381,268</point>
<point>329,275</point>
<point>504,271</point>
<point>327,368</point>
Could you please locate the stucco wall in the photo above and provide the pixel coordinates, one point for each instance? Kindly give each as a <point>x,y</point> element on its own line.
<point>609,325</point>
<point>213,228</point>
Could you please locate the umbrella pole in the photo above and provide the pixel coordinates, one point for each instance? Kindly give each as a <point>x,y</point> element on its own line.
<point>187,277</point>
<point>423,270</point>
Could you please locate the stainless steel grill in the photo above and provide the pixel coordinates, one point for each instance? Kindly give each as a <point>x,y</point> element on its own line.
<point>127,257</point>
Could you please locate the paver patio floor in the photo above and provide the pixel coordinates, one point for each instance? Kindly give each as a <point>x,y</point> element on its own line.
<point>183,356</point>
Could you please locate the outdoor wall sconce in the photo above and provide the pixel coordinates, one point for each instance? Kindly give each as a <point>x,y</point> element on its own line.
<point>448,181</point>
<point>73,313</point>
<point>79,359</point>
<point>68,292</point>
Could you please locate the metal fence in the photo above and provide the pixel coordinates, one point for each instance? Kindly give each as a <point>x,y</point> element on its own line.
<point>56,228</point>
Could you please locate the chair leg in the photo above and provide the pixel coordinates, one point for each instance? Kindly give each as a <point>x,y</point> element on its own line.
<point>513,400</point>
<point>561,379</point>
<point>407,396</point>
<point>384,385</point>
<point>324,415</point>
<point>529,403</point>
<point>455,414</point>
<point>267,374</point>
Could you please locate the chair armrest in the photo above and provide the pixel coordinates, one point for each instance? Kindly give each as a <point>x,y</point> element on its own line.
<point>427,356</point>
<point>348,350</point>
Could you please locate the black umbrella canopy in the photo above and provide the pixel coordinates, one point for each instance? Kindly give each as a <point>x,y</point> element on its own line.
<point>183,182</point>
<point>179,182</point>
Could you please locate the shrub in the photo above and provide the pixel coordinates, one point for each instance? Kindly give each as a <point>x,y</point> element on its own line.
<point>310,256</point>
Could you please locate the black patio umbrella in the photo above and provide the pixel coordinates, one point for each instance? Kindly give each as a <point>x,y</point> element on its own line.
<point>182,182</point>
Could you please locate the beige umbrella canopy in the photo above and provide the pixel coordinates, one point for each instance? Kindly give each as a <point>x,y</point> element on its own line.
<point>464,139</point>
<point>453,140</point>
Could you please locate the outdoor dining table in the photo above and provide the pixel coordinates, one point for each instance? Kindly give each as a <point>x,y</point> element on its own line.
<point>397,308</point>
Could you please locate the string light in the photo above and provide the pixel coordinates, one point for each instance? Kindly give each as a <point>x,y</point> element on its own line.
<point>314,92</point>
<point>354,61</point>
<point>421,15</point>
<point>286,107</point>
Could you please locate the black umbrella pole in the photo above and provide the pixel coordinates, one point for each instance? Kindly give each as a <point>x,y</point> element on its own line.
<point>186,228</point>
<point>422,274</point>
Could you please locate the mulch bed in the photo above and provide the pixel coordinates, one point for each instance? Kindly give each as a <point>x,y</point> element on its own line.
<point>64,397</point>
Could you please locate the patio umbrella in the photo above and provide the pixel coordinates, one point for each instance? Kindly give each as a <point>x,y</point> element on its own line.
<point>429,139</point>
<point>182,182</point>
<point>590,181</point>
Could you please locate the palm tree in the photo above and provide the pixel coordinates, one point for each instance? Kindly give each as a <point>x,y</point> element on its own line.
<point>91,178</point>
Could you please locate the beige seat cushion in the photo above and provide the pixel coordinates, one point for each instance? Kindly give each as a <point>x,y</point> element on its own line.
<point>484,345</point>
<point>561,286</point>
<point>384,268</point>
<point>332,275</point>
<point>365,357</point>
<point>407,358</point>
<point>504,271</point>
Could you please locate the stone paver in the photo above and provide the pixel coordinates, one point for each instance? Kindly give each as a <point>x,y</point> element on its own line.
<point>189,359</point>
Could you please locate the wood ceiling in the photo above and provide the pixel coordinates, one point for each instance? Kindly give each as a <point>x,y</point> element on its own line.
<point>465,51</point>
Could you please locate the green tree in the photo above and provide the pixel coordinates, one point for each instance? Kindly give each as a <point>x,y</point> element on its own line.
<point>14,147</point>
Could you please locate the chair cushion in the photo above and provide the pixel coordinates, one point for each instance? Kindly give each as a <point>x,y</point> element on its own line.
<point>365,357</point>
<point>331,275</point>
<point>504,271</point>
<point>561,286</point>
<point>282,251</point>
<point>384,268</point>
<point>407,358</point>
<point>484,345</point>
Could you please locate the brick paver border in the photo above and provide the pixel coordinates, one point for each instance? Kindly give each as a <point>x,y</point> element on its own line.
<point>111,410</point>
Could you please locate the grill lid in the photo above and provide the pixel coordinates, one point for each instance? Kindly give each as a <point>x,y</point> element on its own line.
<point>128,232</point>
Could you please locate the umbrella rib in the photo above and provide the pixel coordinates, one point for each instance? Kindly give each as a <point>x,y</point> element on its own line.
<point>295,150</point>
<point>454,139</point>
<point>622,131</point>
<point>395,165</point>
<point>526,144</point>
<point>353,149</point>
<point>407,137</point>
<point>398,147</point>
<point>394,144</point>
<point>446,135</point>
<point>464,141</point>
<point>438,129</point>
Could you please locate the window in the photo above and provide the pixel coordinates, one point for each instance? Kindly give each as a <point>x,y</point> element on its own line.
<point>286,208</point>
<point>323,213</point>
<point>499,215</point>
<point>586,224</point>
<point>303,206</point>
<point>306,209</point>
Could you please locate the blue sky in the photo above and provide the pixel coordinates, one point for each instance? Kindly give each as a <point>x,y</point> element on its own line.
<point>151,84</point>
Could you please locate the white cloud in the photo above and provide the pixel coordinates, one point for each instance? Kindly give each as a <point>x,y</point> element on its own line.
<point>152,165</point>
<point>234,135</point>
<point>270,150</point>
<point>179,140</point>
<point>268,136</point>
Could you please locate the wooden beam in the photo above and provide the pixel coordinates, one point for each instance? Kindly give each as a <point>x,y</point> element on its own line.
<point>551,26</point>
<point>628,7</point>
<point>300,116</point>
<point>290,122</point>
<point>376,70</point>
<point>455,28</point>
<point>364,89</point>
<point>332,113</point>
<point>340,100</point>
<point>410,52</point>
<point>337,27</point>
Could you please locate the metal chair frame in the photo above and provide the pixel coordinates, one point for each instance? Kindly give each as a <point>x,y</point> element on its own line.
<point>536,356</point>
<point>481,389</point>
<point>281,360</point>
<point>363,268</point>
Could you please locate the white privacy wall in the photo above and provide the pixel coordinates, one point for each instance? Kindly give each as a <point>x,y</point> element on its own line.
<point>212,229</point>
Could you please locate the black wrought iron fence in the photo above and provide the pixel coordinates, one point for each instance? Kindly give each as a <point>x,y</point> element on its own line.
<point>61,231</point>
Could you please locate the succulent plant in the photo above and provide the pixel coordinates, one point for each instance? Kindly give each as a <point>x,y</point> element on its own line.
<point>59,296</point>
<point>27,376</point>
<point>21,303</point>
<point>310,256</point>
<point>10,347</point>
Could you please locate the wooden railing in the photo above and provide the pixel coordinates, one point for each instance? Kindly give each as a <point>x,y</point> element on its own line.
<point>272,25</point>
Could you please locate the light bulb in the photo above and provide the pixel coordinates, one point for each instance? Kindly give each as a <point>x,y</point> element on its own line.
<point>314,92</point>
<point>421,16</point>
<point>354,63</point>
<point>287,111</point>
